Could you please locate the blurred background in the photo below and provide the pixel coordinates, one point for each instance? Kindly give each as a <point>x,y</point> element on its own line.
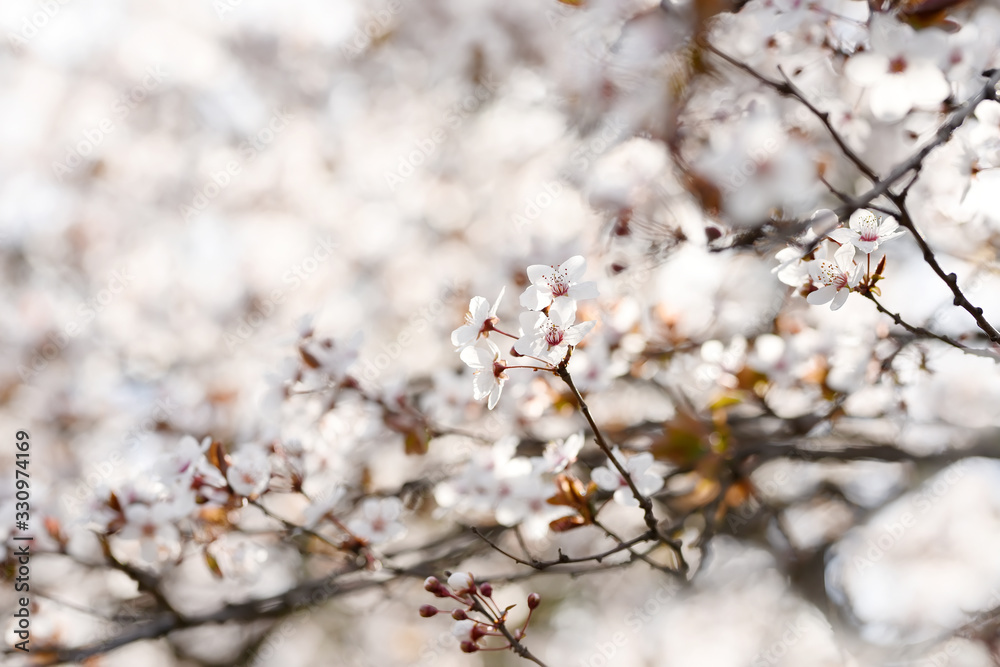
<point>185,187</point>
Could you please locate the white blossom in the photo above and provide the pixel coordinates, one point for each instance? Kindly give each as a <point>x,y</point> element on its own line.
<point>638,467</point>
<point>558,284</point>
<point>478,321</point>
<point>379,521</point>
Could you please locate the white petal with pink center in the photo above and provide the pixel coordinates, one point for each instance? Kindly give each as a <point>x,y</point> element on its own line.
<point>836,277</point>
<point>250,471</point>
<point>549,337</point>
<point>488,371</point>
<point>379,521</point>
<point>866,232</point>
<point>480,312</point>
<point>560,284</point>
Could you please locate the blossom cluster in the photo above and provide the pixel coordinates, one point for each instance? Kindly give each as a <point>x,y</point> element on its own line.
<point>476,599</point>
<point>831,272</point>
<point>548,328</point>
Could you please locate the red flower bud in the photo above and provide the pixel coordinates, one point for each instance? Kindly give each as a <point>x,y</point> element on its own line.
<point>428,610</point>
<point>469,647</point>
<point>459,615</point>
<point>433,585</point>
<point>486,589</point>
<point>534,600</point>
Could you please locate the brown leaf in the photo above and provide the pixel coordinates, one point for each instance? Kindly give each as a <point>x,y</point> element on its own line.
<point>213,564</point>
<point>566,523</point>
<point>684,440</point>
<point>417,441</point>
<point>217,457</point>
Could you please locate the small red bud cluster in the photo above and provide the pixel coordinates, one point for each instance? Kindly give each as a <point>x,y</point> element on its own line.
<point>477,598</point>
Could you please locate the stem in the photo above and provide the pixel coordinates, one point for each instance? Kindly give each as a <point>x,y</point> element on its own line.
<point>926,333</point>
<point>950,279</point>
<point>504,333</point>
<point>562,371</point>
<point>516,646</point>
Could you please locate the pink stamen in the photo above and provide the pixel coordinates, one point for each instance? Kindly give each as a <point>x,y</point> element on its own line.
<point>553,336</point>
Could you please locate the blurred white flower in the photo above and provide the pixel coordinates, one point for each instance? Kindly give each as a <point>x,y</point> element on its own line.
<point>379,520</point>
<point>182,461</point>
<point>249,472</point>
<point>479,321</point>
<point>609,479</point>
<point>558,284</point>
<point>322,506</point>
<point>560,454</point>
<point>154,526</point>
<point>900,71</point>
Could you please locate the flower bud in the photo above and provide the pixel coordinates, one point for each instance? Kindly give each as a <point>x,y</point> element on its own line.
<point>428,610</point>
<point>534,600</point>
<point>468,647</point>
<point>459,615</point>
<point>432,585</point>
<point>462,582</point>
<point>486,589</point>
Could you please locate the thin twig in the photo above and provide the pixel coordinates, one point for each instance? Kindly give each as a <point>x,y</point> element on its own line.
<point>563,558</point>
<point>562,371</point>
<point>515,645</point>
<point>925,333</point>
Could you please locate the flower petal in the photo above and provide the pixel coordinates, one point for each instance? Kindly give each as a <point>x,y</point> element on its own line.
<point>574,268</point>
<point>536,297</point>
<point>495,394</point>
<point>843,235</point>
<point>540,274</point>
<point>464,335</point>
<point>496,304</point>
<point>576,332</point>
<point>822,295</point>
<point>581,291</point>
<point>839,300</point>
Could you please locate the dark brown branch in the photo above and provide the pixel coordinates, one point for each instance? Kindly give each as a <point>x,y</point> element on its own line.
<point>166,622</point>
<point>884,453</point>
<point>563,558</point>
<point>950,279</point>
<point>562,371</point>
<point>925,333</point>
<point>882,185</point>
<point>515,645</point>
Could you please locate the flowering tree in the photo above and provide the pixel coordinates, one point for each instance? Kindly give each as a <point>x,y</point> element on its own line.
<point>744,408</point>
